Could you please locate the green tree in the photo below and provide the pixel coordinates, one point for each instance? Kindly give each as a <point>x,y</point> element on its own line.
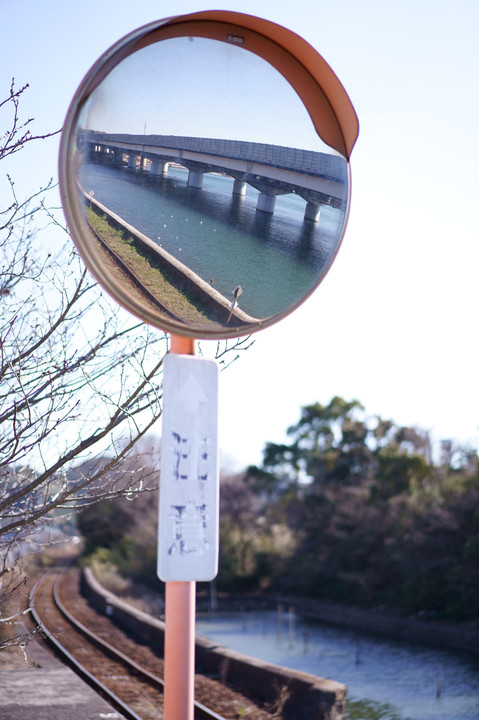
<point>253,541</point>
<point>329,444</point>
<point>123,531</point>
<point>374,521</point>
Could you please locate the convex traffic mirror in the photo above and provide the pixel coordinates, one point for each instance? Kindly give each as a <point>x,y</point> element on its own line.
<point>204,172</point>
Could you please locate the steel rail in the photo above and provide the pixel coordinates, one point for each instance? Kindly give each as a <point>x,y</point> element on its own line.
<point>201,712</point>
<point>77,666</point>
<point>135,280</point>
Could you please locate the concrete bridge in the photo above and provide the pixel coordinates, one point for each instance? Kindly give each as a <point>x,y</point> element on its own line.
<point>319,178</point>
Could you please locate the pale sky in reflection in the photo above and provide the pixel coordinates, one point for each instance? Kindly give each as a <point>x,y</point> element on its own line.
<point>200,88</point>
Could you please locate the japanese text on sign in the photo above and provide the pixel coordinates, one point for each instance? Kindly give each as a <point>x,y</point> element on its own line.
<point>188,519</point>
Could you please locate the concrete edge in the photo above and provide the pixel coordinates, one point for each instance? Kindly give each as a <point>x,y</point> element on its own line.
<point>196,283</point>
<point>308,697</point>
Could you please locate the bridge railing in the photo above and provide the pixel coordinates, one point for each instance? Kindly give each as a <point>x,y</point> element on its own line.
<point>305,161</point>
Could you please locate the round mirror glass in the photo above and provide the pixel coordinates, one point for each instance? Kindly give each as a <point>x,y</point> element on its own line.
<point>197,188</point>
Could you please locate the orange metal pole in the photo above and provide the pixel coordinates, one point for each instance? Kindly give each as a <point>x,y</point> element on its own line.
<point>182,345</point>
<point>180,599</point>
<point>179,651</point>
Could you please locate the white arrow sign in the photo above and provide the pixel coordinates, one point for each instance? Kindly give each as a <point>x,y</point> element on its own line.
<point>189,486</point>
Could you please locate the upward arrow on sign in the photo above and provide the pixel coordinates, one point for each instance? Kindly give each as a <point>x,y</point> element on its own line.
<point>191,392</point>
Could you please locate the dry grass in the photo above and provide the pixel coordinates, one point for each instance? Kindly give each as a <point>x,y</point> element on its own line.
<point>148,270</point>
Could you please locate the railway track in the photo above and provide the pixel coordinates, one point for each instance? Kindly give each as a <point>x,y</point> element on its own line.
<point>127,674</point>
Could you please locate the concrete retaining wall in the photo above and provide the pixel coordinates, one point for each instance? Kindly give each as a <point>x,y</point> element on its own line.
<point>423,631</point>
<point>309,697</point>
<point>218,305</point>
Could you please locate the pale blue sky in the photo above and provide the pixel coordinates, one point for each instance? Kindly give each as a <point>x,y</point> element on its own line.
<point>394,324</point>
<point>201,88</point>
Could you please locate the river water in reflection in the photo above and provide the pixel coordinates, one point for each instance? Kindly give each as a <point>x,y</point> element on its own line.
<point>386,679</point>
<point>220,236</point>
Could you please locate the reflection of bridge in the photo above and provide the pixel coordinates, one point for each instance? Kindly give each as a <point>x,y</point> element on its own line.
<point>319,178</point>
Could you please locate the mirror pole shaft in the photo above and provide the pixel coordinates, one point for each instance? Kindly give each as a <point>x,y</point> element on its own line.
<point>179,694</point>
<point>182,345</point>
<point>180,606</point>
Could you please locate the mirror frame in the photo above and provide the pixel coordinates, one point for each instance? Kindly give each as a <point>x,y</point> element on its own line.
<point>317,86</point>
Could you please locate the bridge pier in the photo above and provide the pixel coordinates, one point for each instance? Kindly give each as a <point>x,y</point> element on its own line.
<point>312,211</point>
<point>195,179</point>
<point>266,203</point>
<point>158,167</point>
<point>318,178</point>
<point>239,187</point>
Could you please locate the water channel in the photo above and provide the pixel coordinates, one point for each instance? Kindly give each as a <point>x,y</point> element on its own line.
<point>221,237</point>
<point>387,679</point>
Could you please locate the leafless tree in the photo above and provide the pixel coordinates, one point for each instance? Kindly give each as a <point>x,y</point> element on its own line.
<point>80,379</point>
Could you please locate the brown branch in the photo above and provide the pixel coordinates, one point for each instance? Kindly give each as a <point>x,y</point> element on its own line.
<point>115,420</point>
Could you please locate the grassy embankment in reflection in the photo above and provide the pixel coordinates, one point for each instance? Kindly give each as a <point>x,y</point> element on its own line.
<point>147,269</point>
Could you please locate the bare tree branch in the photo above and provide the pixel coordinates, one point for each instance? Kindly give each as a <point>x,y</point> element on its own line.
<point>80,380</point>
